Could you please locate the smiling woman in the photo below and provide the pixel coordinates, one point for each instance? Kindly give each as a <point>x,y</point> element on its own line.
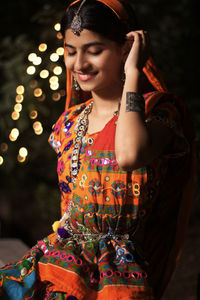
<point>125,149</point>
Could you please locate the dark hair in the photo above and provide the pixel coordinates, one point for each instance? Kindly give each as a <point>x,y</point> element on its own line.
<point>99,18</point>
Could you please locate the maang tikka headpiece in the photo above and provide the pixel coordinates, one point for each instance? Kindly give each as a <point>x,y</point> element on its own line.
<point>76,25</point>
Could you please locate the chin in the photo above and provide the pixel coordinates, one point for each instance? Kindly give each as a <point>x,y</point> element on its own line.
<point>88,87</point>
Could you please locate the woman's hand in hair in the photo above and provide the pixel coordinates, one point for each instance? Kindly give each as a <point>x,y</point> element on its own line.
<point>138,45</point>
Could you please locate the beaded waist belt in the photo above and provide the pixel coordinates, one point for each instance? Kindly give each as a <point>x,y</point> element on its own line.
<point>86,236</point>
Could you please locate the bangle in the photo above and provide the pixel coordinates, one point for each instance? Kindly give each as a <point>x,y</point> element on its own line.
<point>134,102</point>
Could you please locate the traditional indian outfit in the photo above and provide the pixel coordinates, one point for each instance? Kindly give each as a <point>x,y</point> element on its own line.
<point>125,229</point>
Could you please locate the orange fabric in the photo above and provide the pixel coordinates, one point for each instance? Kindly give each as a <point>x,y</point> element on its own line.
<point>60,279</point>
<point>153,75</point>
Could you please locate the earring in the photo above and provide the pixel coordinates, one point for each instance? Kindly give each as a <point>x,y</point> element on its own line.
<point>76,85</point>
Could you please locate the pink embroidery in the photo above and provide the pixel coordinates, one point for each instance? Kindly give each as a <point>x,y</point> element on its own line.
<point>103,162</point>
<point>60,167</point>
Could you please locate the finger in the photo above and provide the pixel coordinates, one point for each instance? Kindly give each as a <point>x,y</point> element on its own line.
<point>133,36</point>
<point>145,38</point>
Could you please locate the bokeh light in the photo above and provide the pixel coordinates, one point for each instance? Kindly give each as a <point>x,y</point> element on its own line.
<point>15,115</point>
<point>54,86</point>
<point>33,114</point>
<point>39,131</point>
<point>31,70</point>
<point>54,57</point>
<point>37,92</point>
<point>57,26</point>
<point>4,147</point>
<point>21,159</point>
<point>37,61</point>
<point>1,160</point>
<point>19,98</point>
<point>42,47</point>
<point>60,51</point>
<point>56,96</point>
<point>14,134</point>
<point>57,70</point>
<point>20,90</point>
<point>18,107</point>
<point>37,126</point>
<point>53,79</point>
<point>59,36</point>
<point>32,57</point>
<point>23,152</point>
<point>44,74</point>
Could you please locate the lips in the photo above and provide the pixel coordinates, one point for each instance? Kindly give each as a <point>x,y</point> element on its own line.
<point>85,77</point>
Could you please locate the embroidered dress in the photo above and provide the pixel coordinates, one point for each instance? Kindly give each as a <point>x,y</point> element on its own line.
<point>122,225</point>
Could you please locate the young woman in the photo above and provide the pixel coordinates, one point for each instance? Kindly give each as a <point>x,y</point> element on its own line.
<point>125,167</point>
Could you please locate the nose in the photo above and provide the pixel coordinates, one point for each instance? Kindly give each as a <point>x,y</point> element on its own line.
<point>81,63</point>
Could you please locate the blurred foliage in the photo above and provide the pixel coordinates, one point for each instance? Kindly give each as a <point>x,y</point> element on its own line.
<point>29,192</point>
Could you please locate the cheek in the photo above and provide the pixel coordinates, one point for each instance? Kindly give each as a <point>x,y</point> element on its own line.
<point>112,62</point>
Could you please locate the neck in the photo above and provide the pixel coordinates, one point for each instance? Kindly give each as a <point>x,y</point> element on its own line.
<point>106,102</point>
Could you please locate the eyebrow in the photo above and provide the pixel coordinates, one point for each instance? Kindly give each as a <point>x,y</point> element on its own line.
<point>86,45</point>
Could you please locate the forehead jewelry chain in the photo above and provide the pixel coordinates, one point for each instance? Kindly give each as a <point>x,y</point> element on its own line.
<point>76,25</point>
<point>80,133</point>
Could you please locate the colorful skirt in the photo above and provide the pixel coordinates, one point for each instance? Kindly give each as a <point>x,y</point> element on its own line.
<point>105,268</point>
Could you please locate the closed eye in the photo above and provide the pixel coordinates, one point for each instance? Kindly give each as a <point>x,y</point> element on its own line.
<point>71,53</point>
<point>95,52</point>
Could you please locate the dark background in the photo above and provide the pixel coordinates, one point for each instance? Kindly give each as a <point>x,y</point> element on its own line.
<point>29,195</point>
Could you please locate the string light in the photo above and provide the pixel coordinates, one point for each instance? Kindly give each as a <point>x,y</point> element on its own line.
<point>54,86</point>
<point>39,131</point>
<point>53,79</point>
<point>42,47</point>
<point>4,147</point>
<point>32,57</point>
<point>14,134</point>
<point>60,51</point>
<point>57,70</point>
<point>56,96</point>
<point>59,36</point>
<point>23,152</point>
<point>31,70</point>
<point>37,126</point>
<point>57,26</point>
<point>37,61</point>
<point>54,57</point>
<point>37,92</point>
<point>44,74</point>
<point>1,160</point>
<point>33,114</point>
<point>18,107</point>
<point>20,90</point>
<point>15,115</point>
<point>19,98</point>
<point>21,159</point>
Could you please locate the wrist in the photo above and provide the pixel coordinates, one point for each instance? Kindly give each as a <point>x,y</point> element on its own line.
<point>133,73</point>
